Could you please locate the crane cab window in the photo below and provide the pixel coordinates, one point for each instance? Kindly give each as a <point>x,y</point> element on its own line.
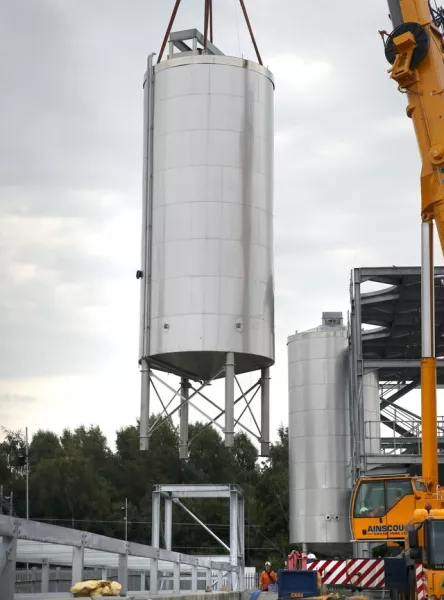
<point>370,501</point>
<point>434,543</point>
<point>420,485</point>
<point>397,490</point>
<point>376,498</point>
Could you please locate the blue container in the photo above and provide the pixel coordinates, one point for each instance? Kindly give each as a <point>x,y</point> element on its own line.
<point>395,574</point>
<point>297,584</point>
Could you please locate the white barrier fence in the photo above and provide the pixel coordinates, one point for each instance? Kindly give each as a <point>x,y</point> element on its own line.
<point>215,574</point>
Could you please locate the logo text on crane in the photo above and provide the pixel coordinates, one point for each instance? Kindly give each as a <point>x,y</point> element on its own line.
<point>385,529</point>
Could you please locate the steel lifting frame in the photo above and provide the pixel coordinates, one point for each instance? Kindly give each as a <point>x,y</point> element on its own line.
<point>175,494</point>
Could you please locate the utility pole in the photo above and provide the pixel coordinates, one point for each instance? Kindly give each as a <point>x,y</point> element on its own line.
<point>125,518</point>
<point>27,475</point>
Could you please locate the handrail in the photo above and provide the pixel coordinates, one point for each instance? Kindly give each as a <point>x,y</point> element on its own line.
<point>12,529</point>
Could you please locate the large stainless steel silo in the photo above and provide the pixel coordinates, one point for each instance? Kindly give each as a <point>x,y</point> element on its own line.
<point>207,293</point>
<point>319,435</point>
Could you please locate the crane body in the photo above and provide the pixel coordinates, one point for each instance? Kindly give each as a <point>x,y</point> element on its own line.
<point>402,509</point>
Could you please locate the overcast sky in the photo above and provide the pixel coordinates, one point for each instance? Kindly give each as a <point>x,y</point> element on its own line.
<point>346,185</point>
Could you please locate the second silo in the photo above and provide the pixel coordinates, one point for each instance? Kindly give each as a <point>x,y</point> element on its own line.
<point>319,435</point>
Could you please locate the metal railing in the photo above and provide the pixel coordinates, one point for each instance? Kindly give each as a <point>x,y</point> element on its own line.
<point>11,530</point>
<point>399,434</point>
<point>59,580</point>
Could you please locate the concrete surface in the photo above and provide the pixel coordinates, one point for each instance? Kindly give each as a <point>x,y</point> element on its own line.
<point>147,596</point>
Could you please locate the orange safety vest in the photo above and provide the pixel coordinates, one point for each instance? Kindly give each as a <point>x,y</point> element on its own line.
<point>266,579</point>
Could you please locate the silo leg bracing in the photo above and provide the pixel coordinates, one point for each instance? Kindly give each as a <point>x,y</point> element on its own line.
<point>319,436</point>
<point>207,275</point>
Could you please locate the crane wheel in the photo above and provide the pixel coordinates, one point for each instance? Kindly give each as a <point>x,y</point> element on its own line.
<point>422,40</point>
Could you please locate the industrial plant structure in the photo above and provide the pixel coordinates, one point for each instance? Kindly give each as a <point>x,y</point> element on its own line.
<point>345,380</point>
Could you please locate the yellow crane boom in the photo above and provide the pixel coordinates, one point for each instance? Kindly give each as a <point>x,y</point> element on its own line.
<point>410,510</point>
<point>415,50</point>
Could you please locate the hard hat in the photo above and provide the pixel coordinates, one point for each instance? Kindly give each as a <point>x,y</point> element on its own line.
<point>268,564</point>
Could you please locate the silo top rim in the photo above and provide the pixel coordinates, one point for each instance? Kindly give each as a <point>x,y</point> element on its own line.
<point>211,59</point>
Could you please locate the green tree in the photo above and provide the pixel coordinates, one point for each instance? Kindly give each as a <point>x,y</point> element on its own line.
<point>273,502</point>
<point>76,480</point>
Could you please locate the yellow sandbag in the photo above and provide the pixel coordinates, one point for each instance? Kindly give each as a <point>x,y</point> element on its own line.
<point>96,588</point>
<point>113,588</point>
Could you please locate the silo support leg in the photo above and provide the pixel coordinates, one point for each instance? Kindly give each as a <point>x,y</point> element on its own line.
<point>145,407</point>
<point>265,412</point>
<point>184,391</point>
<point>229,400</point>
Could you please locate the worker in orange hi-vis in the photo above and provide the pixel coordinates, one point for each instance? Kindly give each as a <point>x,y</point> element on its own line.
<point>268,577</point>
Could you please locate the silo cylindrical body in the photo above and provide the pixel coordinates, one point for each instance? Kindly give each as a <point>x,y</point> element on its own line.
<point>372,414</point>
<point>211,287</point>
<point>319,436</point>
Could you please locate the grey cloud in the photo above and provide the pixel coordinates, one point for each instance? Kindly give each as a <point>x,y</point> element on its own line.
<point>346,166</point>
<point>12,404</point>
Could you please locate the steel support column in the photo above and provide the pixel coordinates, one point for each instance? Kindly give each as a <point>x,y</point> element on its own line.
<point>265,412</point>
<point>194,579</point>
<point>229,400</point>
<point>122,574</point>
<point>155,521</point>
<point>359,396</point>
<point>45,576</point>
<point>142,581</point>
<point>184,418</point>
<point>8,553</point>
<point>154,576</point>
<point>234,537</point>
<point>352,392</point>
<point>77,564</point>
<point>176,578</point>
<point>208,580</point>
<point>145,406</point>
<point>241,542</point>
<point>168,523</point>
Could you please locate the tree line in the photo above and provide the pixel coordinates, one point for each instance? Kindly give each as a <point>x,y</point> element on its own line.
<point>76,480</point>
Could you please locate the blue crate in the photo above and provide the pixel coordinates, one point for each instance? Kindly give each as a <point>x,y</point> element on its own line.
<point>395,574</point>
<point>297,584</point>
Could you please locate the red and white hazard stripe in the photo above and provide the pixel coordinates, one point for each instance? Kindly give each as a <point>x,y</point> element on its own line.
<point>368,573</point>
<point>420,587</point>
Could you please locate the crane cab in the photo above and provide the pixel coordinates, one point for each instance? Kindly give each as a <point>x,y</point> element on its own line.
<point>381,506</point>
